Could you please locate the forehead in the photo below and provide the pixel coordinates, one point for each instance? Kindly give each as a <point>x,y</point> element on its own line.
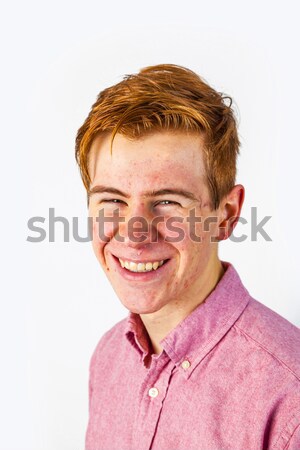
<point>171,158</point>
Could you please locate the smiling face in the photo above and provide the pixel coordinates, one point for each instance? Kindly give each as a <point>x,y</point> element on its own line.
<point>158,184</point>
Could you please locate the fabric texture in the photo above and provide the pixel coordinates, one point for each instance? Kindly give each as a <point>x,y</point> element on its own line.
<point>228,378</point>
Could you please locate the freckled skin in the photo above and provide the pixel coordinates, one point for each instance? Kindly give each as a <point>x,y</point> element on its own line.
<point>158,161</point>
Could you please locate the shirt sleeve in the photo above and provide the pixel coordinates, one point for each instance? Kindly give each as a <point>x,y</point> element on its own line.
<point>91,377</point>
<point>93,367</point>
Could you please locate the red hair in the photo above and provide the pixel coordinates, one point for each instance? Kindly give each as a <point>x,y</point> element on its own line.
<point>167,97</point>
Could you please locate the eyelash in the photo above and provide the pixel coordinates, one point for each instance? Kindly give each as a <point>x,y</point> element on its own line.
<point>169,202</point>
<point>112,200</point>
<point>116,200</point>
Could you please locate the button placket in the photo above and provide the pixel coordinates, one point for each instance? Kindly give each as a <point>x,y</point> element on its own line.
<point>152,392</point>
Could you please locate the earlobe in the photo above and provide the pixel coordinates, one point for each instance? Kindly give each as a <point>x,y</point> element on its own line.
<point>231,207</point>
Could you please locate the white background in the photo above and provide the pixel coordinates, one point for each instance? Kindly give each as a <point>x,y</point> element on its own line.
<point>55,58</point>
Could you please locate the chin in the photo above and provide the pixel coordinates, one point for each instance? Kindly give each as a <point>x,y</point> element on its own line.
<point>136,308</point>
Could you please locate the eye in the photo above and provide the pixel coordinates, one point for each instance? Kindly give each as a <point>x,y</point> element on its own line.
<point>168,202</point>
<point>111,200</point>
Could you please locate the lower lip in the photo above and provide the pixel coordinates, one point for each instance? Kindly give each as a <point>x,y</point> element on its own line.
<point>152,275</point>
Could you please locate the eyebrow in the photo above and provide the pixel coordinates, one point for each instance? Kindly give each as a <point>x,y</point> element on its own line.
<point>111,190</point>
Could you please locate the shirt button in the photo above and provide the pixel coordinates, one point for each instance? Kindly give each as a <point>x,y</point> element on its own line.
<point>153,392</point>
<point>186,364</point>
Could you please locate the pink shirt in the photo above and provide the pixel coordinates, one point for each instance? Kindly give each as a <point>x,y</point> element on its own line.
<point>228,379</point>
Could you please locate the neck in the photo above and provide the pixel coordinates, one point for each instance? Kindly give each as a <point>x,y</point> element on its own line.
<point>160,323</point>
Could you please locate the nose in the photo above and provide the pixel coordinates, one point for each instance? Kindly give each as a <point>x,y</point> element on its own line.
<point>137,229</point>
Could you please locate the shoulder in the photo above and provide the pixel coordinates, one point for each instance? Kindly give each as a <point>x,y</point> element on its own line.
<point>110,340</point>
<point>272,333</point>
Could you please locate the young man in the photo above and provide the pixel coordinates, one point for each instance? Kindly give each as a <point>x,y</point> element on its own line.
<point>198,364</point>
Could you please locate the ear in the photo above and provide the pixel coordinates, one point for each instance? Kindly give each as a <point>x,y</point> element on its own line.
<point>230,210</point>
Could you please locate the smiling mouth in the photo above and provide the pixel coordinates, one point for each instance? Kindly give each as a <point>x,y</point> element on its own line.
<point>132,266</point>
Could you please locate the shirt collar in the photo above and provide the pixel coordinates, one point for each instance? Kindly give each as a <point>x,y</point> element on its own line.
<point>201,330</point>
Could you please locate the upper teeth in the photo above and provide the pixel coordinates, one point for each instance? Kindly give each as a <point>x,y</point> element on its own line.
<point>140,267</point>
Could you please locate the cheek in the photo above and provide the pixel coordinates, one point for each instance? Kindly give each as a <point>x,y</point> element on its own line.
<point>98,241</point>
<point>97,244</point>
<point>174,231</point>
<point>207,230</point>
<point>103,230</point>
<point>194,253</point>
